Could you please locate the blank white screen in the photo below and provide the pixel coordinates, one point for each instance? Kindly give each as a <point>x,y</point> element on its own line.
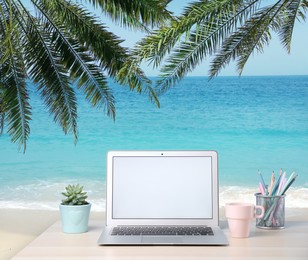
<point>162,187</point>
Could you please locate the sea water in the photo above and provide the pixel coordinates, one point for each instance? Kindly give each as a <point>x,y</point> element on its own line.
<point>254,123</point>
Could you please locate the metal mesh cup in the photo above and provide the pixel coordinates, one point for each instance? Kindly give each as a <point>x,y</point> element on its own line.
<point>274,216</point>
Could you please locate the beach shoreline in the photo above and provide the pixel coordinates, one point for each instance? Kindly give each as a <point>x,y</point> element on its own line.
<point>296,197</point>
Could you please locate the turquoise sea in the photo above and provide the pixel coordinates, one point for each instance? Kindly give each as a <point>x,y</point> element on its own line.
<point>255,123</point>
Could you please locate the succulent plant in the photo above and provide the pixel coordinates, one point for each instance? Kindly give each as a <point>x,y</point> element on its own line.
<point>74,195</point>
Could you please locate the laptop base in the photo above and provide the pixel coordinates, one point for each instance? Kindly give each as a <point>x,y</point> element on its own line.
<point>218,239</point>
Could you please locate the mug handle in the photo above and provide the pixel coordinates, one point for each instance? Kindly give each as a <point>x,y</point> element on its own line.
<point>262,211</point>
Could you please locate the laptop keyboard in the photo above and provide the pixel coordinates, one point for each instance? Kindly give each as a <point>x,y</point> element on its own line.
<point>162,231</point>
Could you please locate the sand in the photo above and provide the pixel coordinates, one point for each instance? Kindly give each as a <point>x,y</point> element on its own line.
<point>18,227</point>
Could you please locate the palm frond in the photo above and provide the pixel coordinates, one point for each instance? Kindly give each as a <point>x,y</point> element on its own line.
<point>2,113</point>
<point>3,20</point>
<point>135,13</point>
<point>289,16</point>
<point>183,60</point>
<point>131,74</point>
<point>103,45</point>
<point>15,109</point>
<point>46,69</point>
<point>304,7</point>
<point>79,63</point>
<point>6,28</point>
<point>88,30</point>
<point>253,36</point>
<point>158,44</point>
<point>302,11</point>
<point>204,38</point>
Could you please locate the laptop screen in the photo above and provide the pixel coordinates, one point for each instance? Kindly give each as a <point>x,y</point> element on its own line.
<point>162,187</point>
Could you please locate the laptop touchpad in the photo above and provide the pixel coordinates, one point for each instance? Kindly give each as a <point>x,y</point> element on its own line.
<point>161,240</point>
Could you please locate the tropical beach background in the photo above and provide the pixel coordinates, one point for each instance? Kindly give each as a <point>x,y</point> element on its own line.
<point>255,123</point>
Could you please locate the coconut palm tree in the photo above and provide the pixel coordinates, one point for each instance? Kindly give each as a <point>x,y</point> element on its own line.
<point>61,47</point>
<point>225,30</point>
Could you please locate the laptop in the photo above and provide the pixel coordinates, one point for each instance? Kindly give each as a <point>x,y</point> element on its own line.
<point>162,198</point>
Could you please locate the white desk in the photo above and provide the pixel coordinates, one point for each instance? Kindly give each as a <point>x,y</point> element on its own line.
<point>289,243</point>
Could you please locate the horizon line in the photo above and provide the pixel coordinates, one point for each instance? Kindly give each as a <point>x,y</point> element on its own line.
<point>239,76</point>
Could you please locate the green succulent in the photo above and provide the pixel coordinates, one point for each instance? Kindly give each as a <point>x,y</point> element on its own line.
<point>74,195</point>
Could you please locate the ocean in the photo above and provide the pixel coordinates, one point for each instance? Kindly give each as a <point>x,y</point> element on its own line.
<point>254,123</point>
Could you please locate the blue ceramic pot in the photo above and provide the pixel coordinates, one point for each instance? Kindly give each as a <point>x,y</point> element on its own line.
<point>75,219</point>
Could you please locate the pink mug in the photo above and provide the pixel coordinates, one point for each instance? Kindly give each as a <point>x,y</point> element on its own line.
<point>239,217</point>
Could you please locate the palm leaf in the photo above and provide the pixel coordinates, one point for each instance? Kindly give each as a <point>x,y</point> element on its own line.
<point>80,64</point>
<point>130,74</point>
<point>2,113</point>
<point>16,106</point>
<point>4,17</point>
<point>47,70</point>
<point>303,10</point>
<point>253,36</point>
<point>154,47</point>
<point>289,16</point>
<point>88,30</point>
<point>14,99</point>
<point>204,39</point>
<point>135,13</point>
<point>158,44</point>
<point>104,46</point>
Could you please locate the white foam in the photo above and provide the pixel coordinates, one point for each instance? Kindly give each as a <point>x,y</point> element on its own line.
<point>46,195</point>
<point>295,197</point>
<point>97,205</point>
<point>43,195</point>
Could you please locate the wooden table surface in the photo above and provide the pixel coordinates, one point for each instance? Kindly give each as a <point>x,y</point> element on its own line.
<point>288,243</point>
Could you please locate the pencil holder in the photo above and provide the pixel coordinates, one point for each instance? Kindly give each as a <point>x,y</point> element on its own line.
<point>274,216</point>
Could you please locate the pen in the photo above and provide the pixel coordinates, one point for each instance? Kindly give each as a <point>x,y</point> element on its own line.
<point>282,180</point>
<point>288,180</point>
<point>263,183</point>
<point>289,183</point>
<point>270,189</point>
<point>261,188</point>
<point>275,189</point>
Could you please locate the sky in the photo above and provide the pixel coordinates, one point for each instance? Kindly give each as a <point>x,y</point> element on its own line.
<point>273,61</point>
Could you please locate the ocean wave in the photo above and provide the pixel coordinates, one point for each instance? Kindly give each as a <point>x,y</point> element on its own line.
<point>46,195</point>
<point>43,195</point>
<point>98,205</point>
<point>296,197</point>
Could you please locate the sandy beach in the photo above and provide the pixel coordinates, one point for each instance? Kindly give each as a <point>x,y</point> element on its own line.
<point>18,227</point>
